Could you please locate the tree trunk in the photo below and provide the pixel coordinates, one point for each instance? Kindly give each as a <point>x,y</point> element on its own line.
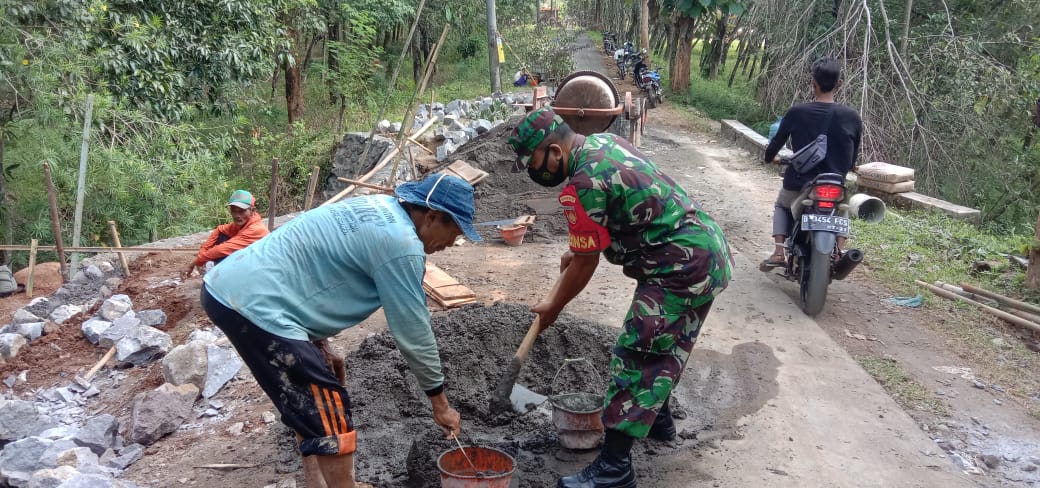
<point>1033,272</point>
<point>680,69</point>
<point>332,61</point>
<point>5,227</point>
<point>644,25</point>
<point>717,47</point>
<point>293,90</point>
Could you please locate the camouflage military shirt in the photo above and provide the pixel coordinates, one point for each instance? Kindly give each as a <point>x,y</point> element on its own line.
<point>617,201</point>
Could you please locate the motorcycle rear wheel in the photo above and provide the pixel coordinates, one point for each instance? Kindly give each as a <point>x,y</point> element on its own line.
<point>815,277</point>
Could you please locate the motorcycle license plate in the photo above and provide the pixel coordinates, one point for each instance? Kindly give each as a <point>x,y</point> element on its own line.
<point>830,223</point>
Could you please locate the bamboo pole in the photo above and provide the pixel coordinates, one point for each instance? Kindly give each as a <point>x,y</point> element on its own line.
<point>52,198</point>
<point>118,244</point>
<point>339,196</point>
<point>986,308</point>
<point>311,186</point>
<point>1001,298</point>
<point>272,207</point>
<point>32,268</point>
<point>418,94</point>
<point>77,222</point>
<point>362,184</point>
<point>100,249</point>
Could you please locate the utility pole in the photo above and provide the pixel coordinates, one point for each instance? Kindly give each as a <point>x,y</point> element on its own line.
<point>492,31</point>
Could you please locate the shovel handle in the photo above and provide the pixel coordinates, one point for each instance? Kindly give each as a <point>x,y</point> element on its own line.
<point>528,342</point>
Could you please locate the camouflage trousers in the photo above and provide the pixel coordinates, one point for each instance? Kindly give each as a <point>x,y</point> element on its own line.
<point>648,359</point>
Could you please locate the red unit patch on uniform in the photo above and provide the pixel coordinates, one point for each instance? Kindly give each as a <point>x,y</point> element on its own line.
<point>585,234</point>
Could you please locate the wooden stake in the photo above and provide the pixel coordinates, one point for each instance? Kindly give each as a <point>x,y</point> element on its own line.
<point>117,244</point>
<point>1001,299</point>
<point>272,208</point>
<point>32,268</point>
<point>986,308</point>
<point>311,186</point>
<point>55,221</point>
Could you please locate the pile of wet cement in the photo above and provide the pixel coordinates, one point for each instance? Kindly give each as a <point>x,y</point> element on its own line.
<point>398,443</point>
<point>504,194</point>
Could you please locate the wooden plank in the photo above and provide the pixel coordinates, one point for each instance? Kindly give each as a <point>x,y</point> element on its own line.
<point>463,170</point>
<point>444,289</point>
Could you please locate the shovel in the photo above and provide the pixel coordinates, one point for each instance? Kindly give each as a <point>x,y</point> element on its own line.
<point>500,399</point>
<point>521,220</point>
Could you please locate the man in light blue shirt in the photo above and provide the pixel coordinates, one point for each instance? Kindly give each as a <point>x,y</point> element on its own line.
<point>326,271</point>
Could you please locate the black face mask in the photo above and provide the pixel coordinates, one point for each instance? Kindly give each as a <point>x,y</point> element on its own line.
<point>544,177</point>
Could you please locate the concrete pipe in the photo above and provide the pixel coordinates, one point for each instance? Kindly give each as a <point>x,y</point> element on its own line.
<point>867,207</point>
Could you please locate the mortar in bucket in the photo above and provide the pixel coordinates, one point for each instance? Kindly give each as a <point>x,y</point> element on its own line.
<point>577,416</point>
<point>475,467</point>
<point>867,207</point>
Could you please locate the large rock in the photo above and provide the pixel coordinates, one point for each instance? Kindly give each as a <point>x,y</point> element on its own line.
<point>10,344</point>
<point>51,478</point>
<point>115,307</point>
<point>23,316</point>
<point>93,328</point>
<point>121,326</point>
<point>65,312</point>
<point>161,411</point>
<point>223,364</point>
<point>142,345</point>
<point>127,456</point>
<point>86,480</point>
<point>23,455</point>
<point>152,318</point>
<point>186,364</point>
<point>29,330</point>
<point>20,419</point>
<point>98,434</point>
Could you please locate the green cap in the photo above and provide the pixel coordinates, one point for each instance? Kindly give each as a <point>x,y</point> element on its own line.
<point>242,199</point>
<point>531,131</point>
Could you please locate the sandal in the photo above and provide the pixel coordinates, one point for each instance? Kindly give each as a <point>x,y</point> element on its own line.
<point>771,263</point>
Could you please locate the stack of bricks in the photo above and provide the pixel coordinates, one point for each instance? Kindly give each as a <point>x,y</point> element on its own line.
<point>885,178</point>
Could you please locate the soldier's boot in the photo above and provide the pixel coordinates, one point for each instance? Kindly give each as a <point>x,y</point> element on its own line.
<point>611,469</point>
<point>664,426</point>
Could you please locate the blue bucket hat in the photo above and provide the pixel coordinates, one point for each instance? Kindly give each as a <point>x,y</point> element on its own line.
<point>444,192</point>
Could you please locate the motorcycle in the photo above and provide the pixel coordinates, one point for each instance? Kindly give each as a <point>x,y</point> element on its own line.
<point>812,245</point>
<point>609,42</point>
<point>649,81</point>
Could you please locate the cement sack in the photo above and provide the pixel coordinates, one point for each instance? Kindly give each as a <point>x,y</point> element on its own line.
<point>885,172</point>
<point>883,186</point>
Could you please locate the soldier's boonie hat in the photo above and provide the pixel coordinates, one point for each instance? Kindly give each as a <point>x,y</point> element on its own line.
<point>530,132</point>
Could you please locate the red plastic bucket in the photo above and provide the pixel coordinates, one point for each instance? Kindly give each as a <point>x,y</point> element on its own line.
<point>513,235</point>
<point>494,468</point>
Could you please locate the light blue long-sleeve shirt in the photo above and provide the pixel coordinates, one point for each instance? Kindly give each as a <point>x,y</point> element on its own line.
<point>329,269</point>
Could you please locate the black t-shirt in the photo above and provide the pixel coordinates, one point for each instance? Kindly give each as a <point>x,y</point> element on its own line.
<point>802,123</point>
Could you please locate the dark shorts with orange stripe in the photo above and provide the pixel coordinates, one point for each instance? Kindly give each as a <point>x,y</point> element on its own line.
<point>296,378</point>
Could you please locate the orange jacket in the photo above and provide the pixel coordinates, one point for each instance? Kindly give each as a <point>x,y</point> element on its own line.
<point>240,237</point>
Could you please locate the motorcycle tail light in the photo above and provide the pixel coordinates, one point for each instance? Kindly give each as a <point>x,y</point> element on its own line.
<point>828,193</point>
<point>825,204</point>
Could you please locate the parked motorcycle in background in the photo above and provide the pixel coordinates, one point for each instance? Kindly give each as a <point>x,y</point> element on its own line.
<point>609,42</point>
<point>649,82</point>
<point>813,258</point>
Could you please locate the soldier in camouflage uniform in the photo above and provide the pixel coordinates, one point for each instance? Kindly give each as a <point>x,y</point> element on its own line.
<point>618,203</point>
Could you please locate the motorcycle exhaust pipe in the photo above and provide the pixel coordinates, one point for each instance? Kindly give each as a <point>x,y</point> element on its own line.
<point>846,264</point>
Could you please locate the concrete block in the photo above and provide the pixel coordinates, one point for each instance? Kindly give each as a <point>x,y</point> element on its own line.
<point>919,201</point>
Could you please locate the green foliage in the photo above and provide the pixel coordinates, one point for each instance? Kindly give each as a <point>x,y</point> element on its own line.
<point>163,56</point>
<point>540,49</point>
<point>471,45</point>
<point>719,101</point>
<point>931,246</point>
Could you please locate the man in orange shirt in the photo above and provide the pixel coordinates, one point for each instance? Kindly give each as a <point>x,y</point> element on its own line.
<point>246,228</point>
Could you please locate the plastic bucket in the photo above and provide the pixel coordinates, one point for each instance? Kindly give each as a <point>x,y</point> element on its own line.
<point>578,421</point>
<point>513,235</point>
<point>494,468</point>
<point>867,207</point>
